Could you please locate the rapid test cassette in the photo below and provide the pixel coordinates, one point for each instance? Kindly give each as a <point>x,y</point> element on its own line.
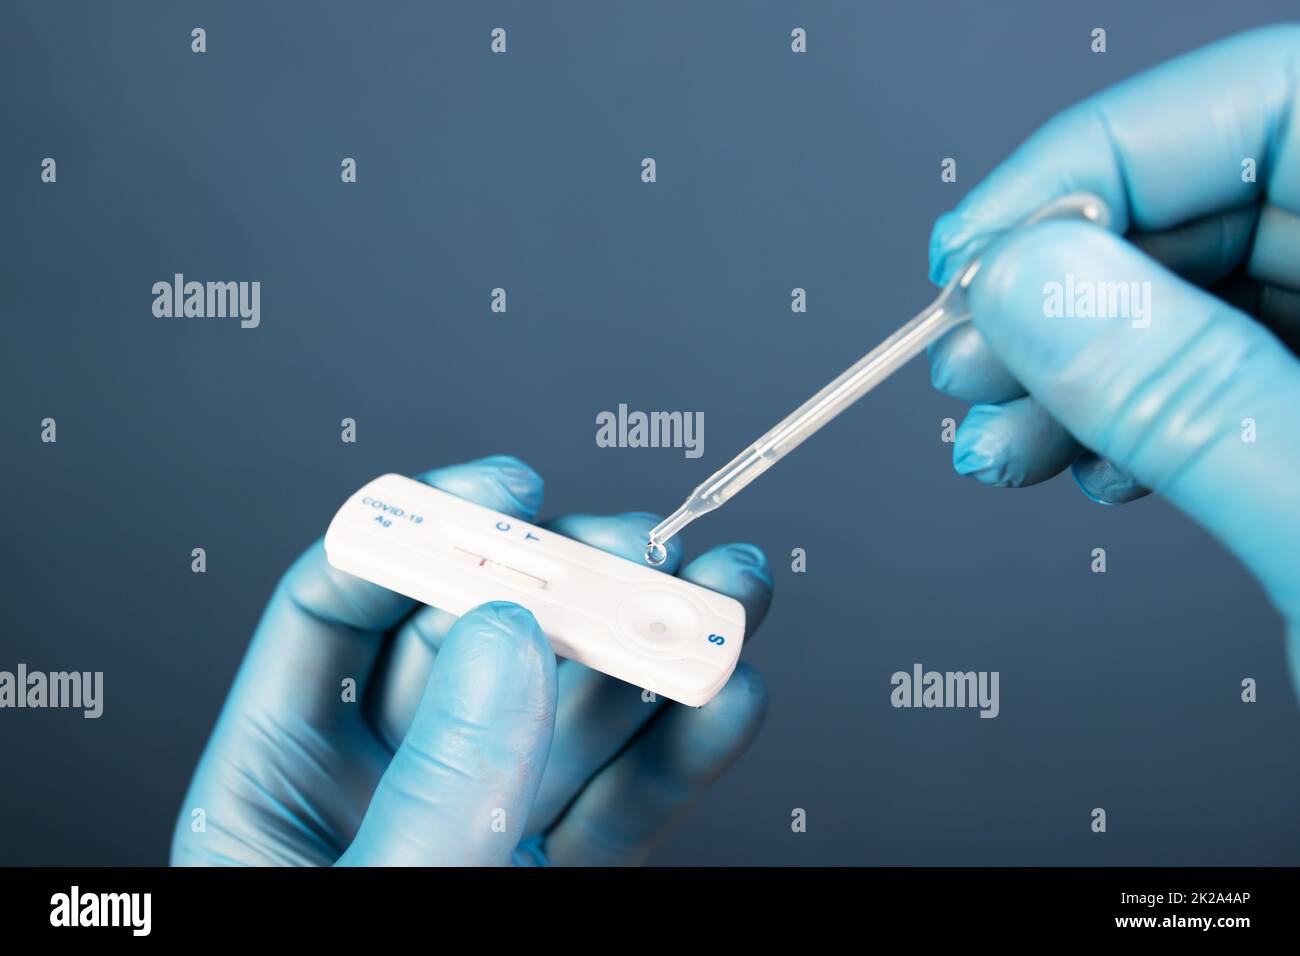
<point>632,622</point>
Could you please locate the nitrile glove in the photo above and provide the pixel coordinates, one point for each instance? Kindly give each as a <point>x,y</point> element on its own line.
<point>1198,401</point>
<point>468,744</point>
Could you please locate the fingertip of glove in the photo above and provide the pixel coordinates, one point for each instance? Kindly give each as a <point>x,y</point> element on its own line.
<point>508,626</point>
<point>945,239</point>
<point>940,369</point>
<point>752,557</point>
<point>979,447</point>
<point>738,711</point>
<point>1102,482</point>
<point>518,480</point>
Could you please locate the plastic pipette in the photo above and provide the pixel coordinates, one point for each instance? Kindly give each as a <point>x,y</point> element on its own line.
<point>939,317</point>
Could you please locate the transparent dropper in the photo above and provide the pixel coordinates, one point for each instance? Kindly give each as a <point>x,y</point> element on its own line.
<point>942,315</point>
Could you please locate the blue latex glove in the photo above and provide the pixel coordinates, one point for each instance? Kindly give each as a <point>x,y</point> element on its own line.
<point>470,744</point>
<point>1160,407</point>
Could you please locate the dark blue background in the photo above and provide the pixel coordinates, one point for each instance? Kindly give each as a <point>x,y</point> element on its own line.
<point>775,170</point>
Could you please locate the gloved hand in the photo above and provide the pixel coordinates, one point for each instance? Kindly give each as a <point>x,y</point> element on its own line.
<point>1198,400</point>
<point>469,744</point>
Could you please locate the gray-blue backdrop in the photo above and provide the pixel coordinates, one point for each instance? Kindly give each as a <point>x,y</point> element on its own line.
<point>523,171</point>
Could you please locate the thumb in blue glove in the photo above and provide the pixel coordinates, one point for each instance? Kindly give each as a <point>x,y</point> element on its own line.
<point>460,786</point>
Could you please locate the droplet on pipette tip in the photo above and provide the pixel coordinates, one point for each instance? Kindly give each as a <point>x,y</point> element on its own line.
<point>655,553</point>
